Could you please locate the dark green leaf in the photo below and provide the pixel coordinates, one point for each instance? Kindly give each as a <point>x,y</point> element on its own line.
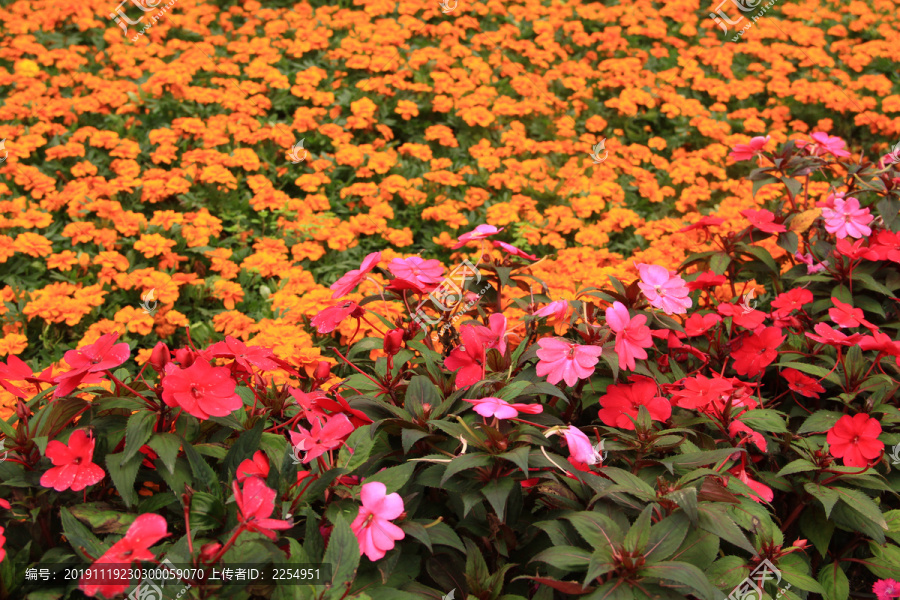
<point>834,582</point>
<point>342,554</point>
<point>80,537</point>
<point>124,474</point>
<point>203,473</point>
<point>685,574</point>
<point>497,492</point>
<point>246,444</point>
<point>166,445</point>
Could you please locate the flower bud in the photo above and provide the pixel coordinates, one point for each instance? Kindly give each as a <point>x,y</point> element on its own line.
<point>160,357</point>
<point>393,341</point>
<point>209,551</point>
<point>323,370</point>
<point>185,357</point>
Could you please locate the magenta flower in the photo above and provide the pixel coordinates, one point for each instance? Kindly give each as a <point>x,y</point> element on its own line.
<point>812,267</point>
<point>500,408</point>
<point>557,309</point>
<point>748,151</point>
<point>351,279</point>
<point>632,335</point>
<point>822,142</point>
<point>417,270</point>
<point>372,526</point>
<point>495,334</point>
<point>665,290</point>
<point>885,589</point>
<point>580,446</point>
<point>763,220</point>
<point>321,438</point>
<point>513,250</point>
<point>847,219</point>
<point>564,360</point>
<point>479,233</point>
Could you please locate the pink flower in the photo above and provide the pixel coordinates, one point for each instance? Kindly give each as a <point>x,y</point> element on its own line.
<point>826,143</point>
<point>417,270</point>
<point>351,279</point>
<point>513,250</point>
<point>2,542</point>
<point>145,531</point>
<point>321,438</point>
<point>479,233</point>
<point>698,392</point>
<point>557,309</point>
<point>826,335</point>
<point>258,466</point>
<point>495,334</point>
<point>201,390</point>
<point>500,408</point>
<point>748,151</point>
<point>847,316</point>
<point>329,318</point>
<point>847,219</point>
<point>632,335</point>
<point>255,502</point>
<point>885,589</point>
<point>664,290</point>
<point>89,361</point>
<point>698,324</point>
<point>812,267</point>
<point>372,526</point>
<point>763,220</point>
<point>468,358</point>
<point>623,401</point>
<point>72,468</point>
<point>561,359</point>
<point>580,446</point>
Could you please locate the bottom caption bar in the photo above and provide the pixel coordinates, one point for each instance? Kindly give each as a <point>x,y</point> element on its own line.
<point>168,572</point>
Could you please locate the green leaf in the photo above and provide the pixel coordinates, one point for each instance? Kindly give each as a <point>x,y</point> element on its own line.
<point>80,537</point>
<point>342,554</point>
<point>408,437</point>
<point>819,422</point>
<point>138,431</point>
<point>637,537</point>
<point>102,517</point>
<point>465,462</point>
<point>686,498</point>
<point>809,369</point>
<point>718,263</point>
<point>764,419</point>
<point>597,529</point>
<point>817,528</point>
<point>246,444</point>
<point>666,537</point>
<point>862,504</point>
<point>394,478</point>
<point>567,558</point>
<point>360,443</point>
<point>693,460</point>
<point>834,582</point>
<point>518,456</point>
<point>207,512</point>
<point>728,572</point>
<point>419,392</point>
<point>763,255</point>
<point>166,445</point>
<point>418,531</point>
<point>826,496</point>
<point>795,571</point>
<point>443,535</point>
<point>497,492</point>
<point>801,465</point>
<point>685,574</point>
<point>203,473</point>
<point>719,524</point>
<point>789,241</point>
<point>124,474</point>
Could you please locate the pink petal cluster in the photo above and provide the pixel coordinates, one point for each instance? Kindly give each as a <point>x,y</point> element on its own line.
<point>847,219</point>
<point>748,151</point>
<point>372,526</point>
<point>351,279</point>
<point>822,142</point>
<point>321,438</point>
<point>479,233</point>
<point>632,335</point>
<point>417,270</point>
<point>513,250</point>
<point>500,408</point>
<point>665,290</point>
<point>564,360</point>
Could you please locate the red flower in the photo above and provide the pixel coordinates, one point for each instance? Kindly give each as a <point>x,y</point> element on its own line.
<point>884,245</point>
<point>16,369</point>
<point>747,151</point>
<point>328,319</point>
<point>255,505</point>
<point>245,356</point>
<point>73,467</point>
<point>881,342</point>
<point>855,439</point>
<point>761,492</point>
<point>2,542</point>
<point>88,361</point>
<point>736,427</point>
<point>351,279</point>
<point>698,392</point>
<point>468,358</point>
<point>698,324</point>
<point>623,400</point>
<point>258,466</point>
<point>763,220</point>
<point>790,301</point>
<point>741,316</point>
<point>706,280</point>
<point>802,384</point>
<point>703,223</point>
<point>757,351</point>
<point>146,530</point>
<point>847,316</point>
<point>322,438</point>
<point>201,390</point>
<point>833,337</point>
<point>479,233</point>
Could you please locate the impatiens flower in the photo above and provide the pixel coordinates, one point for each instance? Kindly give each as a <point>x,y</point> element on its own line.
<point>623,401</point>
<point>557,313</point>
<point>698,324</point>
<point>468,358</point>
<point>737,427</point>
<point>855,439</point>
<point>513,250</point>
<point>497,407</point>
<point>761,492</point>
<point>663,289</point>
<point>2,542</point>
<point>417,270</point>
<point>16,369</point>
<point>495,334</point>
<point>826,335</point>
<point>89,361</point>
<point>884,245</point>
<point>812,267</point>
<point>201,390</point>
<point>885,589</point>
<point>846,315</point>
<point>632,335</point>
<point>748,151</point>
<point>847,219</point>
<point>706,280</point>
<point>763,220</point>
<point>579,446</point>
<point>258,466</point>
<point>244,355</point>
<point>372,526</point>
<point>880,342</point>
<point>699,391</point>
<point>822,142</point>
<point>703,223</point>
<point>329,318</point>
<point>321,438</point>
<point>564,360</point>
<point>789,301</point>
<point>351,279</point>
<point>742,315</point>
<point>73,467</point>
<point>479,233</point>
<point>255,502</point>
<point>757,351</point>
<point>802,384</point>
<point>146,530</point>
